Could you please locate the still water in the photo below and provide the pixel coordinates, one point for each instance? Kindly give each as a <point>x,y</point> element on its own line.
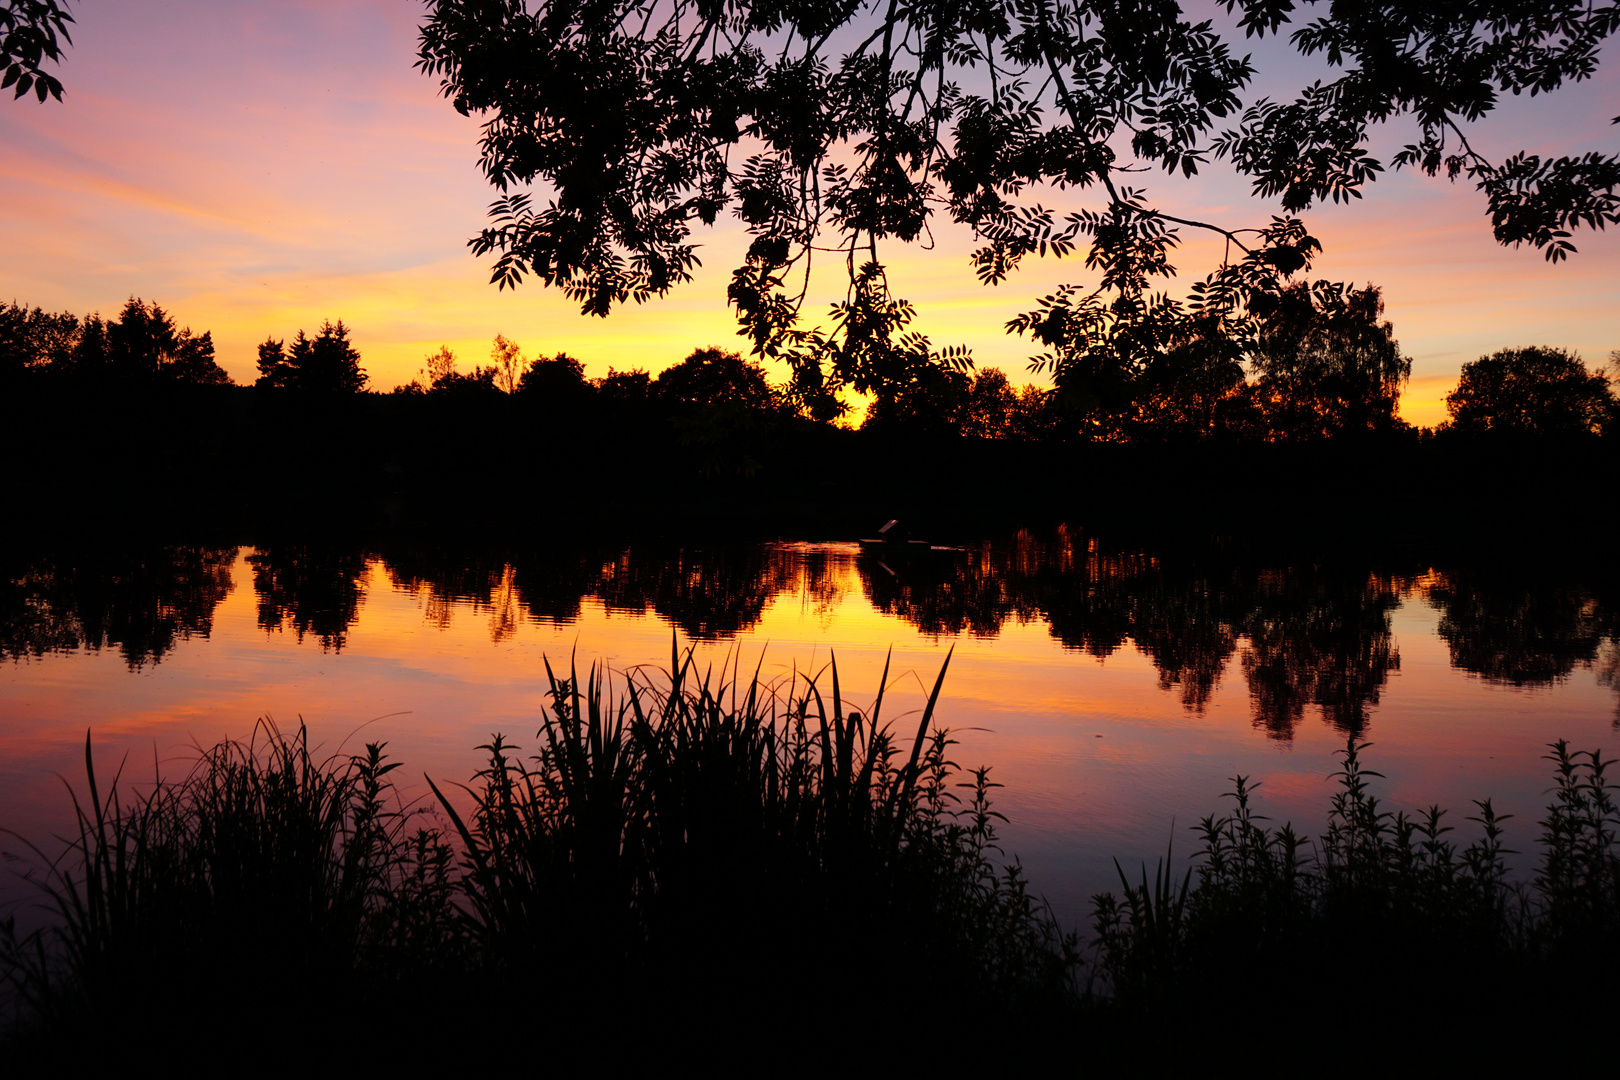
<point>1113,692</point>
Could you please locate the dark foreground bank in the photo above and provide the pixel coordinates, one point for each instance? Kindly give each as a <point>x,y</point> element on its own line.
<point>692,866</point>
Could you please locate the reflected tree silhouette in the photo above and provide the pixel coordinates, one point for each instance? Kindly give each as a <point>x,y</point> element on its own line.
<point>1313,639</point>
<point>142,602</point>
<point>551,589</point>
<point>821,579</point>
<point>1515,633</point>
<point>707,592</point>
<point>1092,608</point>
<point>1305,638</point>
<point>444,580</point>
<point>1608,673</point>
<point>546,585</point>
<point>941,593</point>
<point>1190,636</point>
<point>310,590</point>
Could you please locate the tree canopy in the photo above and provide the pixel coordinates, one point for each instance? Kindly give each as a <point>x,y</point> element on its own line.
<point>829,129</point>
<point>32,32</point>
<point>715,377</point>
<point>324,364</point>
<point>1532,391</point>
<point>1328,363</point>
<point>141,347</point>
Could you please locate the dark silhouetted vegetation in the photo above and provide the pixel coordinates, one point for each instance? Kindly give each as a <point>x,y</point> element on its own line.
<point>1326,365</point>
<point>324,364</point>
<point>141,348</point>
<point>1307,640</point>
<point>141,601</point>
<point>32,33</point>
<point>1535,392</point>
<point>132,419</point>
<point>1385,906</point>
<point>716,859</point>
<point>888,123</point>
<point>313,590</point>
<point>681,848</point>
<point>264,881</point>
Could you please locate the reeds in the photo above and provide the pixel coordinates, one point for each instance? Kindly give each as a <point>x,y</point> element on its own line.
<point>1384,909</point>
<point>685,848</point>
<point>261,876</point>
<point>709,838</point>
<point>685,855</point>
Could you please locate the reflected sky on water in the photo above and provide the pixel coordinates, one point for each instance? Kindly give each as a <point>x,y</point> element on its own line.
<point>1114,693</point>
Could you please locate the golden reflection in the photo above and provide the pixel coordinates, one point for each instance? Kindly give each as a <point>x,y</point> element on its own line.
<point>1111,690</point>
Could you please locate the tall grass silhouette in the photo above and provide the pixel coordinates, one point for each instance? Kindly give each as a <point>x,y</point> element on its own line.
<point>263,873</point>
<point>691,861</point>
<point>1385,913</point>
<point>680,846</point>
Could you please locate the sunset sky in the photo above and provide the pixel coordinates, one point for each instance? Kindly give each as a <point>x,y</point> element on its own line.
<point>257,166</point>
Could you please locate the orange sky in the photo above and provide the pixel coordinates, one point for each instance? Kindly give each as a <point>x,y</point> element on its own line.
<point>258,166</point>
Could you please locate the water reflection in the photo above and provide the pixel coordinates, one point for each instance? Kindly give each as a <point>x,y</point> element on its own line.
<point>489,586</point>
<point>1314,639</point>
<point>309,590</point>
<point>1307,639</point>
<point>1514,633</point>
<point>707,593</point>
<point>142,601</point>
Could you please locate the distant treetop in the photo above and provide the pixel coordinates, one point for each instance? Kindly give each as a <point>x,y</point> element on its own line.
<point>141,347</point>
<point>1532,391</point>
<point>324,364</point>
<point>715,377</point>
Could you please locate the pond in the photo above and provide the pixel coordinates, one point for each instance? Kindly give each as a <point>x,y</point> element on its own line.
<point>1114,692</point>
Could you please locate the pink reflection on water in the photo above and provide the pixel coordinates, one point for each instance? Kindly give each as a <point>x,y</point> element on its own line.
<point>1099,757</point>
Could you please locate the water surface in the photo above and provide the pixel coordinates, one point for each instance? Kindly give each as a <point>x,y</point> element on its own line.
<point>1113,692</point>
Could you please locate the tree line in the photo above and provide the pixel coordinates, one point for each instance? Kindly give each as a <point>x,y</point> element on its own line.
<point>1324,364</point>
<point>143,345</point>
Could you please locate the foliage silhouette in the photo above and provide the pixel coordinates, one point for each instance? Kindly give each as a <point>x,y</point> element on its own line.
<point>315,590</point>
<point>326,364</point>
<point>142,347</point>
<point>1531,392</point>
<point>1321,640</point>
<point>1326,364</point>
<point>1304,640</point>
<point>682,844</point>
<point>264,874</point>
<point>32,32</point>
<point>506,358</point>
<point>831,130</point>
<point>628,390</point>
<point>669,826</point>
<point>1515,632</point>
<point>1385,902</point>
<point>558,384</point>
<point>715,377</point>
<point>34,340</point>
